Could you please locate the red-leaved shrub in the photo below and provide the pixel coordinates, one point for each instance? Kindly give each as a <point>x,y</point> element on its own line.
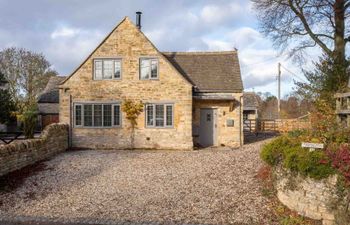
<point>340,159</point>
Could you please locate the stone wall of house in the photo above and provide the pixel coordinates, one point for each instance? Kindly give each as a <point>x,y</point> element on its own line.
<point>226,135</point>
<point>18,154</point>
<point>129,44</point>
<point>309,197</point>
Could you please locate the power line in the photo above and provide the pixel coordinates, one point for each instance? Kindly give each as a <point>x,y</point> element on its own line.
<point>266,60</point>
<point>253,64</point>
<point>297,76</point>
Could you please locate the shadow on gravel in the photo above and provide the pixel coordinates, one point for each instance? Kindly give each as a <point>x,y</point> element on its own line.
<point>15,179</point>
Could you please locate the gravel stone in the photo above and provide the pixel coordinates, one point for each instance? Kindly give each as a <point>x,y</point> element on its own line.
<point>209,186</point>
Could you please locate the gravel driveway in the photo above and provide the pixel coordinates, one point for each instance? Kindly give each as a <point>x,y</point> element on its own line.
<point>150,187</point>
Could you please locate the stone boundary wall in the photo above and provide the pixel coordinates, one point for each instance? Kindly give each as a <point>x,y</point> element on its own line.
<point>18,154</point>
<point>286,125</point>
<point>308,197</point>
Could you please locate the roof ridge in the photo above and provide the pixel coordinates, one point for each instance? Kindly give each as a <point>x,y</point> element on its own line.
<point>202,53</point>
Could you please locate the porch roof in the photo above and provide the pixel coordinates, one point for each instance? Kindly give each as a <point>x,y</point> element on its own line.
<point>214,96</point>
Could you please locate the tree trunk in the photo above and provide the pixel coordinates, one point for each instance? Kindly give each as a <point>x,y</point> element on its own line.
<point>339,41</point>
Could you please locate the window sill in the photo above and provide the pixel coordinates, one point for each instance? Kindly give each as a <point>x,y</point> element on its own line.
<point>167,128</point>
<point>104,128</point>
<point>154,79</point>
<point>115,79</point>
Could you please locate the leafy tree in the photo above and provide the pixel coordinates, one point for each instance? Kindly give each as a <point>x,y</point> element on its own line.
<point>7,105</point>
<point>323,82</point>
<point>296,25</point>
<point>29,118</point>
<point>27,73</point>
<point>132,110</point>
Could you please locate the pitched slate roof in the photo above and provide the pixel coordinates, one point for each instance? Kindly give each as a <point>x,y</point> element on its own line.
<point>50,93</point>
<point>251,100</point>
<point>209,71</point>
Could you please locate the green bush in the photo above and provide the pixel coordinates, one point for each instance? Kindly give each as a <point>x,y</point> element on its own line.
<point>288,152</point>
<point>272,152</point>
<point>29,119</point>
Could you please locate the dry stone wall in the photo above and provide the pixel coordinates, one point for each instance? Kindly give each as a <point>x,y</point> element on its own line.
<point>14,156</point>
<point>309,197</point>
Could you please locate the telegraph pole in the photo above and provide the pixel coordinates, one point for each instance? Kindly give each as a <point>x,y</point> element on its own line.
<point>279,90</point>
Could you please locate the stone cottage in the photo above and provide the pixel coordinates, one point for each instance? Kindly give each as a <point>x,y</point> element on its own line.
<point>190,98</point>
<point>251,107</point>
<point>48,102</point>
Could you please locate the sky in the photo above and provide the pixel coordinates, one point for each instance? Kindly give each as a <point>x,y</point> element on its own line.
<point>66,31</point>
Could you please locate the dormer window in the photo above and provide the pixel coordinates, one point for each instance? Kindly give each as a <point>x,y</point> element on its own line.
<point>107,69</point>
<point>149,68</point>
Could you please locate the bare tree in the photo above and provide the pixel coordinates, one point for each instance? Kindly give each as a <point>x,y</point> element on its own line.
<point>27,73</point>
<point>296,25</point>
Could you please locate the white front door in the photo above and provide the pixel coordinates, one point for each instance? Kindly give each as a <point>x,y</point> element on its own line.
<point>207,128</point>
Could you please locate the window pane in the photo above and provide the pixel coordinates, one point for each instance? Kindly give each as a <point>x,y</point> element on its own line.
<point>97,115</point>
<point>159,115</point>
<point>150,114</point>
<point>78,115</point>
<point>154,70</point>
<point>169,115</point>
<point>145,68</point>
<point>98,69</point>
<point>88,115</point>
<point>117,115</point>
<point>107,115</point>
<point>117,68</point>
<point>108,69</point>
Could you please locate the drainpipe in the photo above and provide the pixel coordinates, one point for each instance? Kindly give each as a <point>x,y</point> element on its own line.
<point>240,121</point>
<point>70,122</point>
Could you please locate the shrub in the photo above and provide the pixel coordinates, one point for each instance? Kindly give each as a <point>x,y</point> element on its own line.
<point>272,152</point>
<point>29,119</point>
<point>289,153</point>
<point>340,159</point>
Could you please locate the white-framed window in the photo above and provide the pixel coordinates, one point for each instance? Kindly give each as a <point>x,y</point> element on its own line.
<point>97,115</point>
<point>159,115</point>
<point>107,69</point>
<point>149,68</point>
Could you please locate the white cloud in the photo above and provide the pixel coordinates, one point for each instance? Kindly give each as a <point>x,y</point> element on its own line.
<point>218,45</point>
<point>214,14</point>
<point>65,32</point>
<point>71,46</point>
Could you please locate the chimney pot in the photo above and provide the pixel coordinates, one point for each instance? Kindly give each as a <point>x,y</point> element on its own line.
<point>138,19</point>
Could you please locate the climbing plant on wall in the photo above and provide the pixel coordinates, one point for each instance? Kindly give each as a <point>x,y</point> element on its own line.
<point>132,109</point>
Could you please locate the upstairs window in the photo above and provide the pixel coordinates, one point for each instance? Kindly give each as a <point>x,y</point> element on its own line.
<point>148,68</point>
<point>107,69</point>
<point>159,115</point>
